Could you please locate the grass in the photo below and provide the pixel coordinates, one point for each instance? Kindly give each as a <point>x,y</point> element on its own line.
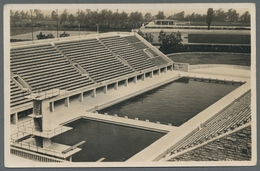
<point>219,38</point>
<point>195,58</point>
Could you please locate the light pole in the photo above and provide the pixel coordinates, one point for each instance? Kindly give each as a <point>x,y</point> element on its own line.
<point>57,23</point>
<point>79,28</point>
<point>31,24</point>
<point>97,28</point>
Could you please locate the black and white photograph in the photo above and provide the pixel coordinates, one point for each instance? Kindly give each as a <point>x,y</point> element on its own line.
<point>130,85</point>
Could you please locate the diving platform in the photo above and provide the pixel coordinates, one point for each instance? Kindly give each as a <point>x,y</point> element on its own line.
<point>45,134</point>
<point>41,95</point>
<point>35,134</point>
<point>55,149</point>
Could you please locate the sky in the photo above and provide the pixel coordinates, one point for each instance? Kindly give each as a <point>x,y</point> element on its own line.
<point>168,8</point>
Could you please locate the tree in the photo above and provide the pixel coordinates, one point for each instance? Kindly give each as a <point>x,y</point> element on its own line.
<point>15,16</point>
<point>64,17</point>
<point>54,15</point>
<point>220,15</point>
<point>123,19</point>
<point>71,19</point>
<point>169,42</point>
<point>232,15</point>
<point>179,16</point>
<point>148,17</point>
<point>146,36</point>
<point>80,16</point>
<point>245,17</point>
<point>160,15</point>
<point>136,19</point>
<point>24,15</point>
<point>209,17</point>
<point>38,14</point>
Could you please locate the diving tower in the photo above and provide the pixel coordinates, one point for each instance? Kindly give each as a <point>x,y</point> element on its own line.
<point>35,134</point>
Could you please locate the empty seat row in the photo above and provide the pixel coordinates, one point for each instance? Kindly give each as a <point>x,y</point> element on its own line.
<point>131,39</point>
<point>46,69</point>
<point>139,45</point>
<point>17,95</point>
<point>96,59</point>
<point>232,147</point>
<point>135,59</point>
<point>235,115</point>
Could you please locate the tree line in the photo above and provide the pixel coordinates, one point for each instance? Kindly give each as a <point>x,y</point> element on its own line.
<point>219,15</point>
<point>108,18</point>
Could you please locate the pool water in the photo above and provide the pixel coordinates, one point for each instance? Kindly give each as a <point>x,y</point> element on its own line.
<point>174,103</point>
<point>105,140</point>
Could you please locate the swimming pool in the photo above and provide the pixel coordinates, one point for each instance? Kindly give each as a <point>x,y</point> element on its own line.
<point>104,140</point>
<point>174,103</point>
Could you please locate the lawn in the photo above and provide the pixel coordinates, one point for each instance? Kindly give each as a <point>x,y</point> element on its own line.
<point>219,38</point>
<point>208,58</point>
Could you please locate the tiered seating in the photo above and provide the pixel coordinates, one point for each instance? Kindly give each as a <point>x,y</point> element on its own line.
<point>231,117</point>
<point>158,61</point>
<point>131,39</point>
<point>235,146</point>
<point>44,68</point>
<point>119,46</point>
<point>17,95</point>
<point>95,58</point>
<point>152,52</point>
<point>140,46</point>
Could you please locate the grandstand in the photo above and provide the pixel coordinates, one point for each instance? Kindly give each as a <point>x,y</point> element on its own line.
<point>82,66</point>
<point>235,116</point>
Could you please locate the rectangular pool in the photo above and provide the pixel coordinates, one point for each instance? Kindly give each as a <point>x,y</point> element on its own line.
<point>174,103</point>
<point>105,140</point>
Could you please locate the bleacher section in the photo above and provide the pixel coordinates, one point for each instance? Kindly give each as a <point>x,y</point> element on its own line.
<point>44,68</point>
<point>141,47</point>
<point>17,95</point>
<point>95,58</point>
<point>229,118</point>
<point>235,146</point>
<point>76,64</point>
<point>121,47</point>
<point>158,61</point>
<point>131,39</point>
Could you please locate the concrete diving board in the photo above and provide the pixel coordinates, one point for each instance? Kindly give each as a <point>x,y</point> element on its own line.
<point>73,147</point>
<point>101,159</point>
<point>45,134</point>
<point>46,94</point>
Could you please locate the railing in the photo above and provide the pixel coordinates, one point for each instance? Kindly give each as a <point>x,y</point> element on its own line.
<point>32,147</point>
<point>18,135</point>
<point>46,134</point>
<point>148,53</point>
<point>181,66</point>
<point>29,128</point>
<point>25,123</point>
<point>33,156</point>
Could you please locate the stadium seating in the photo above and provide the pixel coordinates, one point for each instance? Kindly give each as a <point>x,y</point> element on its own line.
<point>235,115</point>
<point>95,58</point>
<point>149,54</point>
<point>131,39</point>
<point>44,68</point>
<point>121,47</point>
<point>17,95</point>
<point>235,146</point>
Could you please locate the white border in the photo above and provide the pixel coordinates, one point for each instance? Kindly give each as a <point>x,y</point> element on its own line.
<point>156,7</point>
